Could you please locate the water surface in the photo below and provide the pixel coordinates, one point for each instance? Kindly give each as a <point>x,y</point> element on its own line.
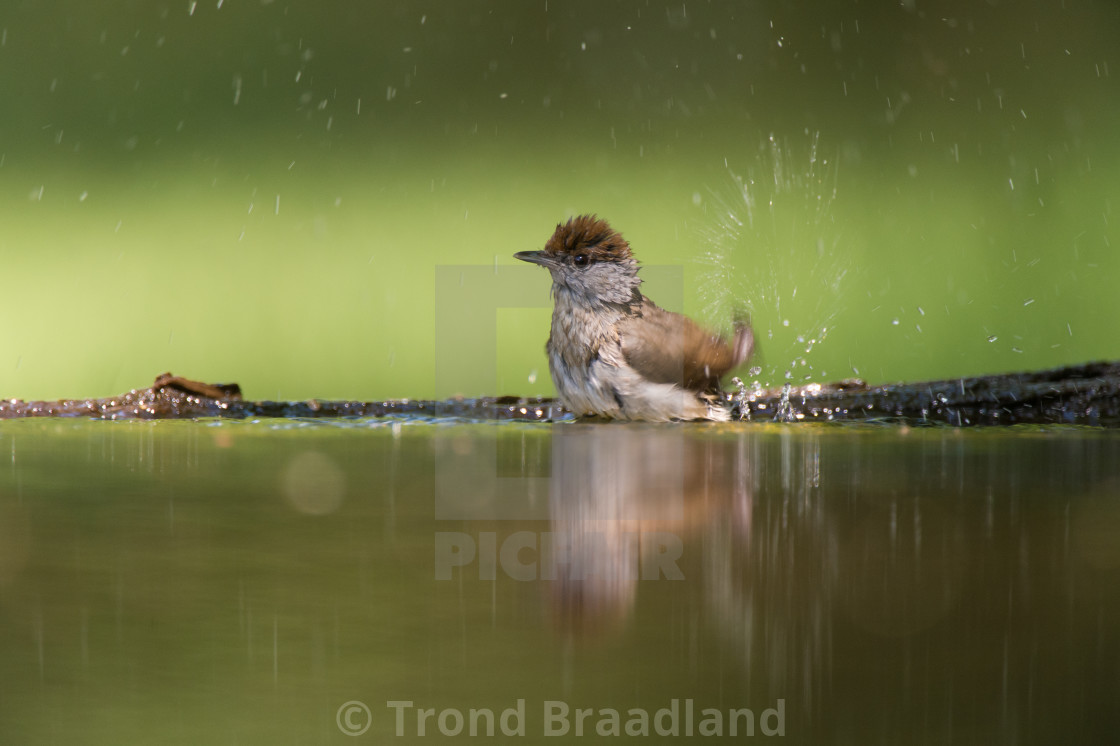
<point>238,582</point>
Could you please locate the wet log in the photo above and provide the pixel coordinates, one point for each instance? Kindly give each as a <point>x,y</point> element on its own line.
<point>1086,394</point>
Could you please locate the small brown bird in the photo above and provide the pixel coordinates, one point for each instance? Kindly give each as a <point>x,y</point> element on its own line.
<point>612,351</point>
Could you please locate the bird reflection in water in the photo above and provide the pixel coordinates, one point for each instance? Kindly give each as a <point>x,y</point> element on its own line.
<point>719,521</point>
<point>626,505</point>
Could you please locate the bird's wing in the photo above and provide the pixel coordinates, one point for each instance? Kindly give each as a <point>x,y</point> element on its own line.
<point>670,348</point>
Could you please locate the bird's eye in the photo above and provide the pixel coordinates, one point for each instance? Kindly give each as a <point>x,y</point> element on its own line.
<point>581,260</point>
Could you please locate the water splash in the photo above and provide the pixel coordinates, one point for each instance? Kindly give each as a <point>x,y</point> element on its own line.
<point>771,244</point>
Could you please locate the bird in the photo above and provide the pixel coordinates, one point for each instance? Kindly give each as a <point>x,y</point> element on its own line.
<point>615,354</point>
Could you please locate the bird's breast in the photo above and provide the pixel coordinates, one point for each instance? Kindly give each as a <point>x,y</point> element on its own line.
<point>584,354</point>
<point>581,335</point>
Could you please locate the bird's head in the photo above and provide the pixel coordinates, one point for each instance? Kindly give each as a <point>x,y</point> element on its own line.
<point>590,260</point>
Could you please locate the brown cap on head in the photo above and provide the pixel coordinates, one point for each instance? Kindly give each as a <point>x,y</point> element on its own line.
<point>588,234</point>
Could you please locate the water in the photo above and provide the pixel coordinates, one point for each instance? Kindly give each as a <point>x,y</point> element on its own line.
<point>202,582</point>
<point>770,236</point>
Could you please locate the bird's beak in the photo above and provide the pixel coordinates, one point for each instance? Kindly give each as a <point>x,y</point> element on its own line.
<point>536,257</point>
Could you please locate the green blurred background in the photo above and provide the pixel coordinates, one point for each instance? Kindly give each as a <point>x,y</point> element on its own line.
<point>260,191</point>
